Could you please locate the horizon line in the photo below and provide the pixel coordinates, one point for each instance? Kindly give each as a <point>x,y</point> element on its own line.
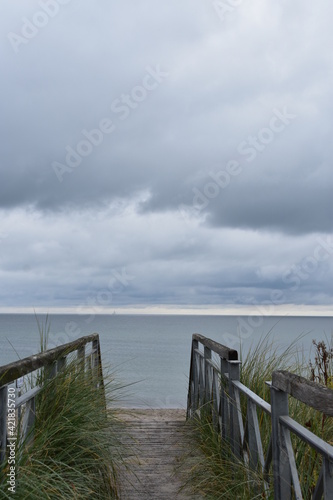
<point>162,309</point>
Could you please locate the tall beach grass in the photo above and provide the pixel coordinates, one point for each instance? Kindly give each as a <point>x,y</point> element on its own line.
<point>216,473</point>
<point>76,450</point>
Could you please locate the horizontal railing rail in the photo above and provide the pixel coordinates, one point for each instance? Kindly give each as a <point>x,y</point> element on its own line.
<point>312,394</point>
<point>17,407</point>
<point>17,369</point>
<point>223,351</point>
<point>215,392</point>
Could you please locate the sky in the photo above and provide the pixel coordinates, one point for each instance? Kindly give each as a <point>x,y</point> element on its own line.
<point>166,156</point>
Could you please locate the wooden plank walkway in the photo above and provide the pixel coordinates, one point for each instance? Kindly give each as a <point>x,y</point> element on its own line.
<point>156,444</point>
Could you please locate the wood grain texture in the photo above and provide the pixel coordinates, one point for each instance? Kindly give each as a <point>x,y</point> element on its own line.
<point>223,351</point>
<point>17,369</point>
<point>156,444</point>
<point>312,394</point>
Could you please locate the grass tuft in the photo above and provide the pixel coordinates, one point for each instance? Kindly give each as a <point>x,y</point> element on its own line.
<point>75,451</point>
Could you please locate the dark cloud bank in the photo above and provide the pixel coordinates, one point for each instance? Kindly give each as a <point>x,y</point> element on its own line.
<point>191,149</point>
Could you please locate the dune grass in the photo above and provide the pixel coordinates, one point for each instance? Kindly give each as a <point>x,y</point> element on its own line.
<point>75,451</point>
<point>216,473</point>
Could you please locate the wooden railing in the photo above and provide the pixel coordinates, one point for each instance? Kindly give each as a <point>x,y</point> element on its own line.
<point>20,382</point>
<point>215,391</point>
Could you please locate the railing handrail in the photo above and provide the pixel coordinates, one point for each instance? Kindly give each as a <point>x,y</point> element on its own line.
<point>53,361</point>
<point>223,351</point>
<point>311,393</point>
<point>215,391</point>
<point>259,402</point>
<point>12,371</point>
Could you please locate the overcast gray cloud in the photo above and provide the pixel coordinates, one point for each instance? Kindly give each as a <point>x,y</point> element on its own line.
<point>187,144</point>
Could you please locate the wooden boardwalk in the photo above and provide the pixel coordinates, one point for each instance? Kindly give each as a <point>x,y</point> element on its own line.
<point>156,444</point>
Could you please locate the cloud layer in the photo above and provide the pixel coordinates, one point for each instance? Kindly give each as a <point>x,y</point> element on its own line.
<point>188,144</point>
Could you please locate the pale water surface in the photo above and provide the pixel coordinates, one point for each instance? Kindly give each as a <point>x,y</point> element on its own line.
<point>153,351</point>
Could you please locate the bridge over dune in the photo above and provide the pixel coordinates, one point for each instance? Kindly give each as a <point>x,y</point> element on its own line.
<point>259,433</point>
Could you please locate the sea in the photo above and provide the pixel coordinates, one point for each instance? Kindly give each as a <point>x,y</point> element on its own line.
<point>149,355</point>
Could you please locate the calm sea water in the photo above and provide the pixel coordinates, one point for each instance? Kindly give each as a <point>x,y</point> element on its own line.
<point>152,352</point>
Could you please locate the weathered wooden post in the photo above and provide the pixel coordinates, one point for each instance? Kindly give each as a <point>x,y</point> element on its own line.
<point>61,364</point>
<point>215,400</point>
<point>94,361</point>
<point>201,381</point>
<point>192,396</point>
<point>234,435</point>
<point>224,403</point>
<point>281,467</point>
<point>207,387</point>
<point>253,434</point>
<point>51,370</point>
<point>195,376</point>
<point>81,357</point>
<point>97,367</point>
<point>28,420</point>
<point>327,478</point>
<point>19,384</point>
